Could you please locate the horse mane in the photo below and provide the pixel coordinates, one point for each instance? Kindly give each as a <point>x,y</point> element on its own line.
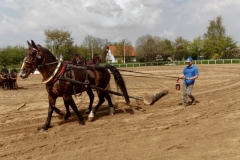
<point>13,70</point>
<point>43,49</point>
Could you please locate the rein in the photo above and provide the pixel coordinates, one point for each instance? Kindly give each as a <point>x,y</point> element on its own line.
<point>139,76</point>
<point>46,64</point>
<point>132,71</point>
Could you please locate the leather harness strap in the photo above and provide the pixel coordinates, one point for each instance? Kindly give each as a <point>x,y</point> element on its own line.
<point>86,82</point>
<point>59,73</point>
<point>70,67</point>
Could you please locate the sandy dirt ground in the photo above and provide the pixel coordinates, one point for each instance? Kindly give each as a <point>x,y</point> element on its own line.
<point>209,130</point>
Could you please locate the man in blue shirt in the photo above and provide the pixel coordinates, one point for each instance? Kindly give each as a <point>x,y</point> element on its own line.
<point>189,73</point>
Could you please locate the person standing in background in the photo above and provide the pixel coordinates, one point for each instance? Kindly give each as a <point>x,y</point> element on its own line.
<point>4,69</point>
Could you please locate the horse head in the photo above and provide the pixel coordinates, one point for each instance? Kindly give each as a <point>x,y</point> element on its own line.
<point>96,59</point>
<point>83,61</point>
<point>38,57</point>
<point>4,74</point>
<point>32,60</point>
<point>76,59</point>
<point>13,73</point>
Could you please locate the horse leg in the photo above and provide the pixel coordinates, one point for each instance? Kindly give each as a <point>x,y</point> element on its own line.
<point>100,102</point>
<point>112,109</point>
<point>11,84</point>
<point>91,97</point>
<point>51,108</point>
<point>15,84</point>
<point>58,111</point>
<point>4,85</point>
<point>8,84</point>
<point>68,114</point>
<point>71,102</point>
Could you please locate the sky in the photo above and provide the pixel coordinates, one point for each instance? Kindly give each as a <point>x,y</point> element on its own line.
<point>115,20</point>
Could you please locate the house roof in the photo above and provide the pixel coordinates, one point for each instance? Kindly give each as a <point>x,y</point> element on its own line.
<point>129,49</point>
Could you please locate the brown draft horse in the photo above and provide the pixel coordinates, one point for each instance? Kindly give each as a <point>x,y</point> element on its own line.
<point>77,60</point>
<point>82,61</point>
<point>13,79</point>
<point>51,69</point>
<point>4,79</point>
<point>96,58</point>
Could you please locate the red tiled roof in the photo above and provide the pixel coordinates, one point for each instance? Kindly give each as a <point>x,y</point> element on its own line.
<point>129,49</point>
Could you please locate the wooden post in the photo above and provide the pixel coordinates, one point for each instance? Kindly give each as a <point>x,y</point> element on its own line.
<point>150,98</point>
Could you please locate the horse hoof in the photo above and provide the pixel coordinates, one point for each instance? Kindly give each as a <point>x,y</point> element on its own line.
<point>91,116</point>
<point>43,128</point>
<point>87,111</point>
<point>112,110</point>
<point>94,111</point>
<point>67,116</point>
<point>90,119</point>
<point>81,122</point>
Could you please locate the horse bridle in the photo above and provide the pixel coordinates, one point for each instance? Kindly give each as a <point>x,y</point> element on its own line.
<point>95,60</point>
<point>38,56</point>
<point>77,59</point>
<point>33,62</point>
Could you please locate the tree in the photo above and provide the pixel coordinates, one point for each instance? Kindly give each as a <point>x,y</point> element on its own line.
<point>59,41</point>
<point>216,41</point>
<point>149,47</point>
<point>215,30</point>
<point>227,43</point>
<point>12,55</point>
<point>95,46</point>
<point>168,49</point>
<point>196,47</point>
<point>182,48</point>
<point>120,49</point>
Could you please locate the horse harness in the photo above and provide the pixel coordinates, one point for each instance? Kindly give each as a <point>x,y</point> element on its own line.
<point>66,68</point>
<point>61,70</point>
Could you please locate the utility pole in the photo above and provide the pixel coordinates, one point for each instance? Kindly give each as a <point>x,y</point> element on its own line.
<point>124,51</point>
<point>52,47</point>
<point>92,47</point>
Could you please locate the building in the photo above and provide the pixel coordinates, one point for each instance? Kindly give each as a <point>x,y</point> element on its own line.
<point>236,52</point>
<point>115,54</point>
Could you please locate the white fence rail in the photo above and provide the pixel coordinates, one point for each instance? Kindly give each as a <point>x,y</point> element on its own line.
<point>197,62</point>
<point>222,61</point>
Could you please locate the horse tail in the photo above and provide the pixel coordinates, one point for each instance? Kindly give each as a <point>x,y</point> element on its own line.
<point>119,81</point>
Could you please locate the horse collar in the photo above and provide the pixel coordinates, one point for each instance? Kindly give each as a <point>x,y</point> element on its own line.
<point>54,72</point>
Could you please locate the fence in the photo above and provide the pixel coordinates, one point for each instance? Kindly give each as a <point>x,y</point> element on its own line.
<point>162,63</point>
<point>221,61</point>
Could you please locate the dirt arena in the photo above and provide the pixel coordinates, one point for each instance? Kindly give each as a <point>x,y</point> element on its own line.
<point>209,130</point>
